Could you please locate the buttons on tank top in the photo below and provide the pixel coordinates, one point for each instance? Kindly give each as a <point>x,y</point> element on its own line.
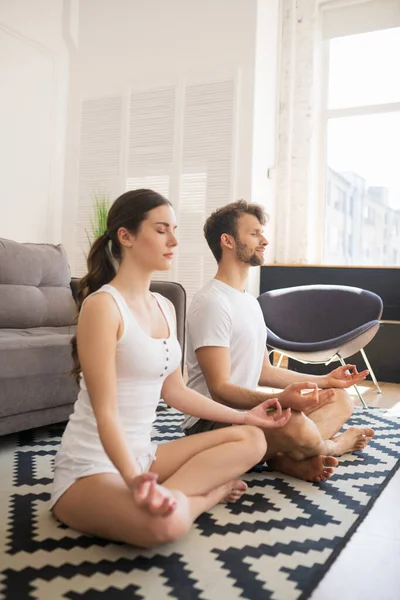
<point>165,344</point>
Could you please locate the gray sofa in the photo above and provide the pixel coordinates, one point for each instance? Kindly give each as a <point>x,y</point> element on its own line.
<point>37,316</point>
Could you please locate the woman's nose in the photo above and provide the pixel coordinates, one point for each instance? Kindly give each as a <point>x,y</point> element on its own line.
<point>173,241</point>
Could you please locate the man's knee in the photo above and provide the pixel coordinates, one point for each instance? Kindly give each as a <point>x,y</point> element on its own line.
<point>300,433</point>
<point>343,402</point>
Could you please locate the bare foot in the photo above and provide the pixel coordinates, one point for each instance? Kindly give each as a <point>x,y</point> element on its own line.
<point>354,438</point>
<point>316,468</point>
<point>232,491</point>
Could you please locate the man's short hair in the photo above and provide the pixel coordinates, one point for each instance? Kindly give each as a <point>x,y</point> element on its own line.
<point>225,220</point>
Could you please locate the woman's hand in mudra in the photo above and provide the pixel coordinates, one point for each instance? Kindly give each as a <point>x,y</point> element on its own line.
<point>267,415</point>
<point>151,496</point>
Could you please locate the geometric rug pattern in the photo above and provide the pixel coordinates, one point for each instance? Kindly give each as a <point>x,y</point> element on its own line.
<point>276,543</point>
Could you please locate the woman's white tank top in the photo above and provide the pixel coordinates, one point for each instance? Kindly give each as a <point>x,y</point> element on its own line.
<point>142,364</point>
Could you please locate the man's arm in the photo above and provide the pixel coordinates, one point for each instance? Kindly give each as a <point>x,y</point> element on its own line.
<point>342,377</point>
<point>209,330</point>
<point>215,363</point>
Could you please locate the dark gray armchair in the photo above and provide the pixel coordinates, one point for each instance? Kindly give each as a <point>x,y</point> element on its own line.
<point>321,324</point>
<point>177,295</point>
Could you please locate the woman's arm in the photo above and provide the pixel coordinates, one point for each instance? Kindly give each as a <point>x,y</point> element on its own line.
<point>176,394</point>
<point>99,327</point>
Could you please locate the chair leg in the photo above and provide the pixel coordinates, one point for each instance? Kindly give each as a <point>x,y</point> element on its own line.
<point>365,405</point>
<point>370,371</point>
<point>272,351</point>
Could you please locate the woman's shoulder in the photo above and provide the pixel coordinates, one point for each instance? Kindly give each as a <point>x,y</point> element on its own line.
<point>101,302</point>
<point>166,304</point>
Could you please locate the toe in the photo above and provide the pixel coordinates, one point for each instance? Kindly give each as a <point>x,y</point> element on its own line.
<point>330,461</point>
<point>240,486</point>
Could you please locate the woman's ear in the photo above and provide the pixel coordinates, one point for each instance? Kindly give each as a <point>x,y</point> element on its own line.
<point>124,237</point>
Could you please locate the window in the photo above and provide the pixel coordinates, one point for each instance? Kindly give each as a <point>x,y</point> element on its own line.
<point>362,128</point>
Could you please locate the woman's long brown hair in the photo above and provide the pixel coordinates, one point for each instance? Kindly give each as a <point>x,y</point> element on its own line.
<point>128,211</point>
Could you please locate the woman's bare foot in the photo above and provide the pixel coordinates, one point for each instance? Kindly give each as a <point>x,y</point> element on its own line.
<point>236,490</point>
<point>354,438</point>
<point>316,469</point>
<point>229,492</point>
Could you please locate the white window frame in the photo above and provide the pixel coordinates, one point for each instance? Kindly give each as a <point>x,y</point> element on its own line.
<point>335,113</point>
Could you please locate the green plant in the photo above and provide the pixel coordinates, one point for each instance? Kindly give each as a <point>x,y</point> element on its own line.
<point>98,219</point>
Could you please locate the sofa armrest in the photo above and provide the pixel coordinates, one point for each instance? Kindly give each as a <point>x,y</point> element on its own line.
<point>74,283</point>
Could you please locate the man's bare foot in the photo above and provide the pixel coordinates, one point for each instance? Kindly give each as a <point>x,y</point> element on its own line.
<point>316,468</point>
<point>354,438</point>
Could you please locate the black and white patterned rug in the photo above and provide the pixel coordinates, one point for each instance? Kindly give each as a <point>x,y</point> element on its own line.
<point>277,542</point>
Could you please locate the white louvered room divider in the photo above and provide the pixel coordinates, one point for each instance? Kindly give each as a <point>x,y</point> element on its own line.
<point>99,165</point>
<point>180,142</point>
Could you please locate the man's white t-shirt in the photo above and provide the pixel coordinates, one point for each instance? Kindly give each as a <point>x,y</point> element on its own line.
<point>220,315</point>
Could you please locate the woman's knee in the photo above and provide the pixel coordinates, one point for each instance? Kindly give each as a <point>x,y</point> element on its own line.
<point>174,527</point>
<point>254,440</point>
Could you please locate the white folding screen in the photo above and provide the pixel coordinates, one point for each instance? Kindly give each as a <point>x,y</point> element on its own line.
<point>99,165</point>
<point>179,142</point>
<point>151,143</point>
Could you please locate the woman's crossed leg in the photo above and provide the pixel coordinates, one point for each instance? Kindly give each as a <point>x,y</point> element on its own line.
<point>199,470</point>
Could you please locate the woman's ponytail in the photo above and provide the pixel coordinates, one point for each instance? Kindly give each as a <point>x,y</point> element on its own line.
<point>101,270</point>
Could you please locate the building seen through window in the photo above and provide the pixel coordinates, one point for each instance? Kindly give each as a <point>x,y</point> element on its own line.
<point>361,226</point>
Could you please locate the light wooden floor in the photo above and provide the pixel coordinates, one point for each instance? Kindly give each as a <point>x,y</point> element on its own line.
<point>369,566</point>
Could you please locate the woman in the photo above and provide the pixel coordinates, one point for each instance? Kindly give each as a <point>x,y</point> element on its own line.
<point>110,480</point>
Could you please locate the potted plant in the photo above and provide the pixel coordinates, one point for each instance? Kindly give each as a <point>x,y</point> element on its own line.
<point>98,219</point>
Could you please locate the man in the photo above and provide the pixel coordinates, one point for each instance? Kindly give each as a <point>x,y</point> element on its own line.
<point>227,357</point>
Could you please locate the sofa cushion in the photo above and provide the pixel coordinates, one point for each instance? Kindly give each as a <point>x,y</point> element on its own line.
<point>34,286</point>
<point>36,351</point>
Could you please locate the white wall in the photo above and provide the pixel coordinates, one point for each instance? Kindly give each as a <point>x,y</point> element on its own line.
<point>62,52</point>
<point>127,44</point>
<point>33,83</point>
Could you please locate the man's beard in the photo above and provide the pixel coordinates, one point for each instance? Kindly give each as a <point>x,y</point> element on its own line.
<point>243,254</point>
